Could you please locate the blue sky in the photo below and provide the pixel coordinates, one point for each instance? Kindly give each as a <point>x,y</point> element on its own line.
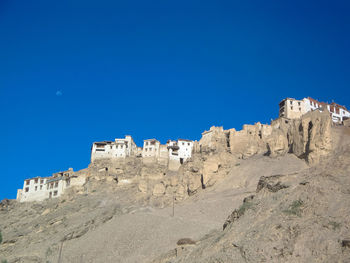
<point>74,72</point>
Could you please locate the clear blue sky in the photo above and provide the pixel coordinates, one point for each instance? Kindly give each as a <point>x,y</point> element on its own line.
<point>74,72</point>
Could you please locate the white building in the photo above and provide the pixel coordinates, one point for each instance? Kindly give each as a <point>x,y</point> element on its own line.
<point>41,188</point>
<point>150,148</point>
<point>292,109</point>
<point>34,189</point>
<point>180,150</point>
<point>120,148</point>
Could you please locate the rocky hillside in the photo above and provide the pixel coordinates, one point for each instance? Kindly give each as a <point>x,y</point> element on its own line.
<point>292,176</point>
<point>291,217</point>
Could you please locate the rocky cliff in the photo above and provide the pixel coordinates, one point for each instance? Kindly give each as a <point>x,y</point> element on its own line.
<point>252,195</point>
<point>291,217</point>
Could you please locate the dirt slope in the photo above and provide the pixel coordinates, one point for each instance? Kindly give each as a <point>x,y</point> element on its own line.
<point>114,224</point>
<point>297,217</point>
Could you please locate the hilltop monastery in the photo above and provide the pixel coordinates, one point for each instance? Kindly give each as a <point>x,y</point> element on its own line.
<point>173,153</point>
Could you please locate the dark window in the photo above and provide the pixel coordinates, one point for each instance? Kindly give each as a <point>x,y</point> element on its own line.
<point>27,182</point>
<point>27,189</point>
<point>55,193</point>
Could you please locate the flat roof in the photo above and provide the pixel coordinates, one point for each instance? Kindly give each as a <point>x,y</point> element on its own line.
<point>186,140</point>
<point>38,177</point>
<point>104,142</point>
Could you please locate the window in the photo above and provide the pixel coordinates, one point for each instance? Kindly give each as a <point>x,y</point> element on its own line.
<point>41,181</point>
<point>56,184</point>
<point>291,107</point>
<point>55,193</point>
<point>183,143</point>
<point>27,189</point>
<point>146,143</point>
<point>188,144</point>
<point>50,195</point>
<point>146,149</point>
<point>291,102</point>
<point>36,180</point>
<point>41,187</point>
<point>299,109</point>
<point>299,103</point>
<point>36,188</point>
<point>27,182</point>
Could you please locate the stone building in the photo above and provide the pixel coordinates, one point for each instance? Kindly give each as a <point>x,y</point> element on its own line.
<point>41,188</point>
<point>293,109</point>
<point>150,148</point>
<point>119,148</point>
<point>34,189</point>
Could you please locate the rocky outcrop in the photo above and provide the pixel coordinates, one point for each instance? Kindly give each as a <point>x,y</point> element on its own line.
<point>309,137</point>
<point>249,141</point>
<point>213,141</point>
<point>159,189</point>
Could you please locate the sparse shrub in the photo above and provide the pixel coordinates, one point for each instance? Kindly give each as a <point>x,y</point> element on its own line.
<point>48,252</point>
<point>185,241</point>
<point>244,207</point>
<point>237,164</point>
<point>335,225</point>
<point>4,261</point>
<point>295,208</point>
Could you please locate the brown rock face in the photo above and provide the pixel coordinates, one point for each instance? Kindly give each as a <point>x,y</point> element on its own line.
<point>214,140</point>
<point>159,189</point>
<point>308,138</point>
<point>277,143</point>
<point>249,141</point>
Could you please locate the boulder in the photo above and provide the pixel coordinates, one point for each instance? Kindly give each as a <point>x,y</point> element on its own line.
<point>143,186</point>
<point>159,189</point>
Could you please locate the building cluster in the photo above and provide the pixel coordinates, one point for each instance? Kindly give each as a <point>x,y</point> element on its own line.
<point>119,148</point>
<point>293,109</point>
<point>173,153</point>
<point>41,188</point>
<point>152,150</point>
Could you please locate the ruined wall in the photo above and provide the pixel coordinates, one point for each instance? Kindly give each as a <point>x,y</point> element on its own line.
<point>249,141</point>
<point>215,141</point>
